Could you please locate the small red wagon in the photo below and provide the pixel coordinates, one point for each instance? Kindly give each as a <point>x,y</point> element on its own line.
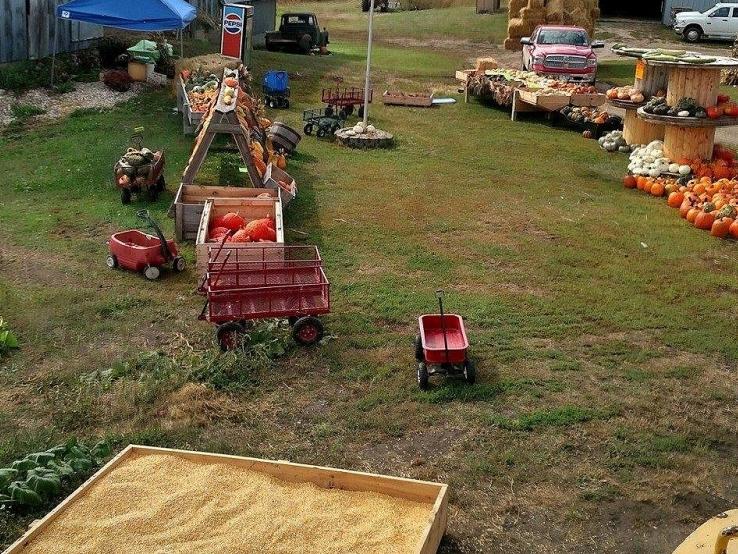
<point>141,252</point>
<point>265,281</point>
<point>441,347</point>
<point>343,100</point>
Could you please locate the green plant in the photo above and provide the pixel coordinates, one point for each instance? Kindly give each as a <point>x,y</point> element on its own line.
<point>37,477</point>
<point>25,111</point>
<point>7,339</point>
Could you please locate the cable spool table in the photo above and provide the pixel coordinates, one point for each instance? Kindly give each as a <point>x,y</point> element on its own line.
<point>690,137</point>
<point>649,80</point>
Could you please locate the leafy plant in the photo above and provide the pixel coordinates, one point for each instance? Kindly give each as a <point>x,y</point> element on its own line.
<point>25,111</point>
<point>7,338</point>
<point>38,476</point>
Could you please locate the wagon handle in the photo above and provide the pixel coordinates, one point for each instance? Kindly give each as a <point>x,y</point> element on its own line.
<point>439,295</point>
<point>201,286</point>
<point>144,214</point>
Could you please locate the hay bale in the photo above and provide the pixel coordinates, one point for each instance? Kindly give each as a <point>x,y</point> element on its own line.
<point>483,64</point>
<point>512,44</point>
<point>537,15</point>
<point>209,63</point>
<point>515,7</point>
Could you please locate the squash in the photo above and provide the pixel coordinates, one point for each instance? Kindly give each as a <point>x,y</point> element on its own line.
<point>675,199</point>
<point>704,220</point>
<point>721,227</point>
<point>629,182</point>
<point>230,82</point>
<point>657,189</point>
<point>692,214</point>
<point>733,229</point>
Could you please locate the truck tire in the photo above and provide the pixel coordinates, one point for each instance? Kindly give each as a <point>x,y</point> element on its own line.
<point>365,5</point>
<point>305,43</point>
<point>693,33</point>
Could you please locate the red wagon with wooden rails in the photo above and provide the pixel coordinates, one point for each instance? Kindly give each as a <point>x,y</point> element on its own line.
<point>342,101</point>
<point>261,282</point>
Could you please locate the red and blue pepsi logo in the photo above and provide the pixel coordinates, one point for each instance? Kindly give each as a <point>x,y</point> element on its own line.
<point>232,23</point>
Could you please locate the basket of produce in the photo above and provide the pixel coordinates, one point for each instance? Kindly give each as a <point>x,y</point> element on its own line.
<point>139,170</point>
<point>197,90</point>
<point>592,122</point>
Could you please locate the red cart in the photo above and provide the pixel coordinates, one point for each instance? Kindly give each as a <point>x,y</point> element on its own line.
<point>343,100</point>
<point>265,281</point>
<point>441,347</point>
<point>139,251</point>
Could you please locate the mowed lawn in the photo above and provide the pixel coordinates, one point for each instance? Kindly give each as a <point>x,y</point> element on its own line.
<point>603,326</point>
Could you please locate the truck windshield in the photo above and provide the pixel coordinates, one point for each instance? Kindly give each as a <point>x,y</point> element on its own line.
<point>562,36</point>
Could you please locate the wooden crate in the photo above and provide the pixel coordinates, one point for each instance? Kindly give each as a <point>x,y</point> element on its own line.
<point>464,74</point>
<point>190,120</point>
<point>190,199</point>
<point>248,208</point>
<point>394,98</point>
<point>545,102</point>
<point>589,100</point>
<point>433,494</point>
<point>272,177</point>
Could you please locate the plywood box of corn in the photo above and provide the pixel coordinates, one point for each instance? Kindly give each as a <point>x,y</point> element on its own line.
<point>176,501</point>
<point>190,199</point>
<point>249,209</point>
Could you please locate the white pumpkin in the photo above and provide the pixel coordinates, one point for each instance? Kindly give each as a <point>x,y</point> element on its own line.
<point>684,170</point>
<point>673,168</point>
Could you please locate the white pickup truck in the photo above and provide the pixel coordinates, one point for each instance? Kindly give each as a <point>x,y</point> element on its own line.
<point>719,22</point>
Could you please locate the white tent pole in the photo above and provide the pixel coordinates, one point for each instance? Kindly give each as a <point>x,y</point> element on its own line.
<point>368,64</point>
<point>53,49</point>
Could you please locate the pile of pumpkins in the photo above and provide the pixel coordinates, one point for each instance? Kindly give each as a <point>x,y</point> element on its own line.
<point>614,142</point>
<point>360,129</point>
<point>708,205</point>
<point>627,94</point>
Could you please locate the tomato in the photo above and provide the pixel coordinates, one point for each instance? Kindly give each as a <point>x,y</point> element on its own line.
<point>714,112</point>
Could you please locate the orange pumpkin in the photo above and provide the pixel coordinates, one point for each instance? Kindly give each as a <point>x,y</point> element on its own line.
<point>259,164</point>
<point>721,227</point>
<point>733,229</point>
<point>629,182</point>
<point>692,214</point>
<point>657,189</point>
<point>684,208</point>
<point>675,199</point>
<point>230,82</point>
<point>699,188</point>
<point>704,220</point>
<point>641,182</point>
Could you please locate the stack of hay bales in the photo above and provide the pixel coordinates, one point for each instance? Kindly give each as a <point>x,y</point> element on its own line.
<point>525,15</point>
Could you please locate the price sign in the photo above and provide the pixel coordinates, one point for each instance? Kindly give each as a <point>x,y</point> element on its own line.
<point>640,69</point>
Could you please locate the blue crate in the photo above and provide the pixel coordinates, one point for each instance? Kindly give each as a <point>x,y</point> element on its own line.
<point>276,82</point>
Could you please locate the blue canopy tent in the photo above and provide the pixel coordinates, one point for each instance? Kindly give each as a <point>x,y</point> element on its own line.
<point>131,15</point>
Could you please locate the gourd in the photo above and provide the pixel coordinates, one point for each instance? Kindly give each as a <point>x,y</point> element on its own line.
<point>685,170</point>
<point>673,168</point>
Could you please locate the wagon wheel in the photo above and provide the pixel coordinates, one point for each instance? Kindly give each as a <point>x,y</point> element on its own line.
<point>422,376</point>
<point>229,335</point>
<point>308,128</point>
<point>271,103</point>
<point>307,330</point>
<point>349,109</point>
<point>285,103</point>
<point>153,192</point>
<point>111,261</point>
<point>178,264</point>
<point>419,355</point>
<point>344,113</point>
<point>320,133</point>
<point>470,373</point>
<point>151,272</point>
<point>360,113</point>
<point>161,184</point>
<point>125,196</point>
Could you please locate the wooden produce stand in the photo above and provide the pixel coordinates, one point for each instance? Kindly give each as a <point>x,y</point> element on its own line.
<point>525,101</point>
<point>434,496</point>
<point>690,137</point>
<point>222,118</point>
<point>649,80</point>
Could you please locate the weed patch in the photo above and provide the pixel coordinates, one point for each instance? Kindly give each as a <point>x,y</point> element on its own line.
<point>565,416</point>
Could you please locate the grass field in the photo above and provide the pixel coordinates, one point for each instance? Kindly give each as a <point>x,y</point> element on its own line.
<point>602,325</point>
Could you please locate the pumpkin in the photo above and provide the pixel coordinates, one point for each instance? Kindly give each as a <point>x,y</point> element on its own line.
<point>721,227</point>
<point>281,161</point>
<point>704,220</point>
<point>230,82</point>
<point>727,211</point>
<point>259,164</point>
<point>675,199</point>
<point>241,236</point>
<point>692,214</point>
<point>233,221</point>
<point>587,134</point>
<point>657,189</point>
<point>629,182</point>
<point>733,229</point>
<point>684,208</point>
<point>262,229</point>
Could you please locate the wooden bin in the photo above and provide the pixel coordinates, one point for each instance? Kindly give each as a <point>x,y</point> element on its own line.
<point>587,99</point>
<point>394,98</point>
<point>435,495</point>
<point>190,199</point>
<point>190,120</point>
<point>273,176</point>
<point>248,208</point>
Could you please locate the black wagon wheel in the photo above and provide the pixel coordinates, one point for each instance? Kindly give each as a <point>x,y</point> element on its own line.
<point>470,372</point>
<point>307,330</point>
<point>229,335</point>
<point>349,109</point>
<point>423,376</point>
<point>419,354</point>
<point>321,132</point>
<point>125,196</point>
<point>308,128</point>
<point>272,103</point>
<point>161,184</point>
<point>179,264</point>
<point>153,193</point>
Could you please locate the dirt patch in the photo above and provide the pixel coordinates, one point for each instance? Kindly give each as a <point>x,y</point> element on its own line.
<point>196,404</point>
<point>412,450</point>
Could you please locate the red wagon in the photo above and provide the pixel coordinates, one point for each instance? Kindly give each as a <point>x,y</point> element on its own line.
<point>442,347</point>
<point>343,100</point>
<point>139,251</point>
<point>265,281</point>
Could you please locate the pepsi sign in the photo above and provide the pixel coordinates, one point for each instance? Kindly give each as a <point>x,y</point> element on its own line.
<point>233,37</point>
<point>232,23</point>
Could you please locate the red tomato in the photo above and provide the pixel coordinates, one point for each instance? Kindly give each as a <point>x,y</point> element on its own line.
<point>714,112</point>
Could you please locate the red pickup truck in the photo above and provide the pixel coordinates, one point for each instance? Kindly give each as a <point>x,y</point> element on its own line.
<point>561,52</point>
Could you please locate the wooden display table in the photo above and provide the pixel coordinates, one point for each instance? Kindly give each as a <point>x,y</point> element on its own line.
<point>690,137</point>
<point>649,80</point>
